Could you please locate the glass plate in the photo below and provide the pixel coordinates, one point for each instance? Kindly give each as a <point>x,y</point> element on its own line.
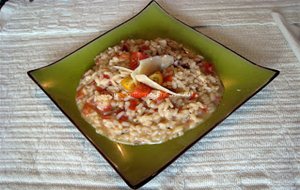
<point>138,164</point>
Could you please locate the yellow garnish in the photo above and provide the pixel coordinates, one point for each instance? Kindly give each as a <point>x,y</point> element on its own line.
<point>157,77</point>
<point>128,84</point>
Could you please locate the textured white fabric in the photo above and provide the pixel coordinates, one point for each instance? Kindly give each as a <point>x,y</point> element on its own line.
<point>290,32</point>
<point>257,147</point>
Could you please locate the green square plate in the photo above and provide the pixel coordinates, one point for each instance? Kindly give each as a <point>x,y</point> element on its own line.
<point>138,164</point>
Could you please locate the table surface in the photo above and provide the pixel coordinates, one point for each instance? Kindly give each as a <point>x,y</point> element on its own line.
<point>257,147</point>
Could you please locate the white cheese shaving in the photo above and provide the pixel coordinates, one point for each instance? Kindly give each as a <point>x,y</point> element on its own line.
<point>146,80</point>
<point>152,64</point>
<point>123,69</point>
<point>149,66</point>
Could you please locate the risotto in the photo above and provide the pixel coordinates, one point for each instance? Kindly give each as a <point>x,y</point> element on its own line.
<point>148,91</point>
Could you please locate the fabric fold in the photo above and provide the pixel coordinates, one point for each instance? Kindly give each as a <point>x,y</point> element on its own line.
<point>290,32</point>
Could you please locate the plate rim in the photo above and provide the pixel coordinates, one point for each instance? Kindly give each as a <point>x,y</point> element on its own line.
<point>146,180</point>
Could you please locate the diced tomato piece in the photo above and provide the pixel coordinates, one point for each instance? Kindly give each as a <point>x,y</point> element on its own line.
<point>207,68</point>
<point>104,113</point>
<point>135,58</point>
<point>106,76</point>
<point>144,47</point>
<point>141,90</point>
<point>102,90</point>
<point>133,104</point>
<point>194,96</point>
<point>162,96</point>
<point>168,78</point>
<point>106,108</point>
<point>80,93</point>
<point>117,111</point>
<point>133,64</point>
<point>99,89</point>
<point>87,108</point>
<point>106,116</point>
<point>123,118</point>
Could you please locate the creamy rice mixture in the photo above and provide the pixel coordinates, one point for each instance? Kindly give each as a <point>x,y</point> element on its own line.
<point>130,112</point>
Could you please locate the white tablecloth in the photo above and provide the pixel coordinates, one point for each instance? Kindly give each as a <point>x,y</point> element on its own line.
<point>257,147</point>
